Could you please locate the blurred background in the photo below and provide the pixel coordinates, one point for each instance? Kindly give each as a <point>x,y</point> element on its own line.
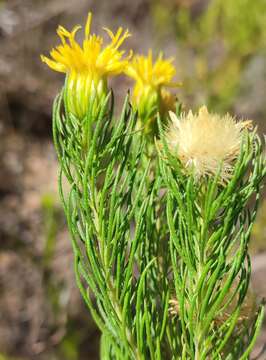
<point>220,52</point>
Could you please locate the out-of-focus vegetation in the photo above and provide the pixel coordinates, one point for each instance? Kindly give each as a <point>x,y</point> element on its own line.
<point>259,231</point>
<point>216,40</point>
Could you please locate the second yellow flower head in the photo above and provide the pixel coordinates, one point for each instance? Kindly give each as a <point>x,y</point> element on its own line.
<point>151,80</point>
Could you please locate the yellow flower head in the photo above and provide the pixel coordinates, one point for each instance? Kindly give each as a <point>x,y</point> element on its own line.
<point>205,142</point>
<point>151,79</point>
<point>87,66</point>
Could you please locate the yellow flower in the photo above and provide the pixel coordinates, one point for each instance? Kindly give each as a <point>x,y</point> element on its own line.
<point>87,66</point>
<point>152,79</point>
<point>205,142</point>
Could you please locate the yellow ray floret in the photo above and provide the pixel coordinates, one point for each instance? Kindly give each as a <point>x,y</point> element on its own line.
<point>155,74</point>
<point>204,142</point>
<point>91,56</point>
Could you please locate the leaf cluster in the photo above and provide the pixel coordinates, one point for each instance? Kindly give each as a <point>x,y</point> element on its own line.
<point>144,233</point>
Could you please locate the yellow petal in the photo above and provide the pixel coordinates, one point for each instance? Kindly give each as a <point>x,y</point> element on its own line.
<point>88,25</point>
<point>203,110</point>
<point>53,64</point>
<point>109,32</point>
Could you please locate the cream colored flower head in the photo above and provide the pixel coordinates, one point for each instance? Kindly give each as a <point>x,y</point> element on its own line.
<point>206,143</point>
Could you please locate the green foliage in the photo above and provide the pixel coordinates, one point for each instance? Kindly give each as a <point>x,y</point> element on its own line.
<point>116,256</point>
<point>237,23</point>
<point>144,233</point>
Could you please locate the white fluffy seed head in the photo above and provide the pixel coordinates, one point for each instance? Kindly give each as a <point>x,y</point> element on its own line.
<point>206,143</point>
